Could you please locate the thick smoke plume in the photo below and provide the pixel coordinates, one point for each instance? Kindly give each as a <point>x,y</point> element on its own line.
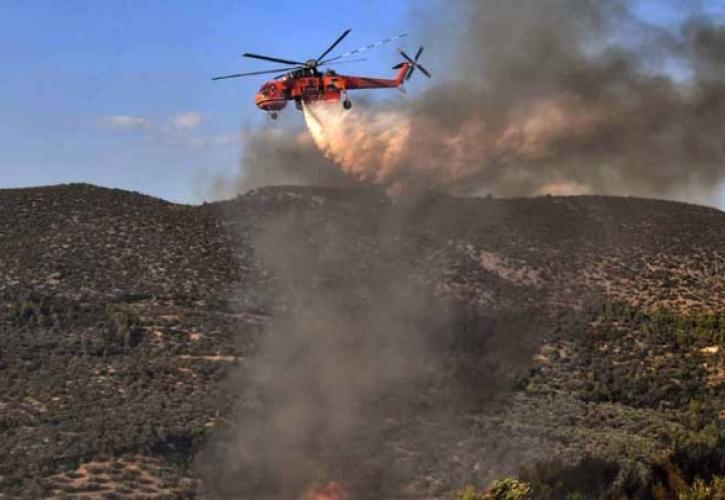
<point>556,96</point>
<point>342,342</point>
<point>366,370</point>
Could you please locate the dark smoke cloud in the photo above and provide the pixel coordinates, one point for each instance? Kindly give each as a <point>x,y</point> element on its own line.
<point>644,132</point>
<point>707,46</point>
<point>543,96</point>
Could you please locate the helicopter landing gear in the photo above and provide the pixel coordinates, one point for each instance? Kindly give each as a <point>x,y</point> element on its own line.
<point>298,104</point>
<point>273,115</point>
<point>347,103</point>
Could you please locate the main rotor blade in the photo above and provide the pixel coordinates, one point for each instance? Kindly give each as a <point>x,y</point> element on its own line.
<point>410,73</point>
<point>347,32</point>
<point>327,64</point>
<point>255,73</point>
<point>344,62</point>
<point>417,55</point>
<point>274,59</point>
<point>367,47</point>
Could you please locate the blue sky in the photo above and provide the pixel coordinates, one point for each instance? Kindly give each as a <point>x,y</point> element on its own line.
<point>118,92</point>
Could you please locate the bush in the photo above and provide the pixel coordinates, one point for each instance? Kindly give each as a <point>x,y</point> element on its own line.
<point>715,490</point>
<point>509,489</point>
<point>505,489</point>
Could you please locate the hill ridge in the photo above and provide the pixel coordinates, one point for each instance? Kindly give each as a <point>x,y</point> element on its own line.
<point>129,325</point>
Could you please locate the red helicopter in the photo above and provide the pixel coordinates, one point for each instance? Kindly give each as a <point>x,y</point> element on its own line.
<point>304,82</point>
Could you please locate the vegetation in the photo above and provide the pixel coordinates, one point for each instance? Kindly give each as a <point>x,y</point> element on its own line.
<point>505,489</point>
<point>660,362</point>
<point>126,323</point>
<point>701,490</point>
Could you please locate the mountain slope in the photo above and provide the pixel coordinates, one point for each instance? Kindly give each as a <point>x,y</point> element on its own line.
<point>549,327</point>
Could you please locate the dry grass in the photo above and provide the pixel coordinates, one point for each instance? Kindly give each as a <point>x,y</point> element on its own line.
<point>128,477</point>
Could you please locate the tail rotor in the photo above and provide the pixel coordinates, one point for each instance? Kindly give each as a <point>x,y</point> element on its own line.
<point>413,62</point>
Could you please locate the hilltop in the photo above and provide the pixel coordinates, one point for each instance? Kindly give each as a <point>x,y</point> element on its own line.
<point>567,328</point>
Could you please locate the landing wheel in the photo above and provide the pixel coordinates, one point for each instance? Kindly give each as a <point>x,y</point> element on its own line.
<point>298,104</point>
<point>347,104</point>
<point>273,115</point>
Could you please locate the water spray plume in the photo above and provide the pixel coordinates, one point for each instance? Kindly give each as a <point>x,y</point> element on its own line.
<point>369,146</point>
<point>404,152</point>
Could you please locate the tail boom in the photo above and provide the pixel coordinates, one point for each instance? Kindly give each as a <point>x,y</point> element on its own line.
<point>361,82</point>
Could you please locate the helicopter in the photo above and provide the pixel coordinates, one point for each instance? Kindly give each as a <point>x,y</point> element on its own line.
<point>305,82</point>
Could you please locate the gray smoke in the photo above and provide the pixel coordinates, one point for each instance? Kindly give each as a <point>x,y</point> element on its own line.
<point>366,372</point>
<point>558,96</point>
<point>342,337</point>
<point>635,130</point>
<point>277,156</point>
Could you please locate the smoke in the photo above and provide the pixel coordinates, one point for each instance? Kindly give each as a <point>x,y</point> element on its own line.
<point>350,382</point>
<point>341,338</point>
<point>364,367</point>
<point>577,95</point>
<point>404,153</point>
<point>277,156</point>
<point>562,96</point>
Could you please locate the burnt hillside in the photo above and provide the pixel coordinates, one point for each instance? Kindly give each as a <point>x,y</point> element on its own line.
<point>561,327</point>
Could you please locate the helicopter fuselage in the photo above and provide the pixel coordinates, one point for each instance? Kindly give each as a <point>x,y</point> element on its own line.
<point>303,82</point>
<point>309,85</point>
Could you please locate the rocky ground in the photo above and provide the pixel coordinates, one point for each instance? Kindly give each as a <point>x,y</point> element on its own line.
<point>551,330</point>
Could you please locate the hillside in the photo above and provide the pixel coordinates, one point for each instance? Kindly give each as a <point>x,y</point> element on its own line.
<point>454,340</point>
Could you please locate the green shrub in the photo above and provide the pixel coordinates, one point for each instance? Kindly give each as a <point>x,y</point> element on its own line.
<point>505,489</point>
<point>509,489</point>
